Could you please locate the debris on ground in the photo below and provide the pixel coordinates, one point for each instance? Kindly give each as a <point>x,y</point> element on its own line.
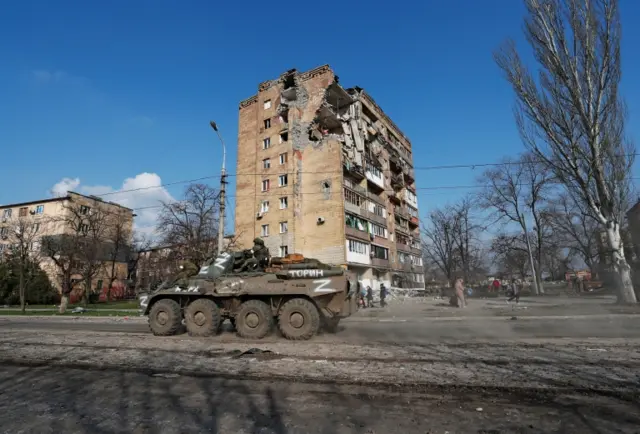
<point>79,309</point>
<point>252,352</point>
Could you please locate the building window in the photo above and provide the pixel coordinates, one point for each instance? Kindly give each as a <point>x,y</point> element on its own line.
<point>355,222</point>
<point>326,187</point>
<point>284,202</point>
<point>99,285</point>
<point>265,185</point>
<point>39,209</point>
<point>22,212</point>
<point>284,251</point>
<point>267,104</point>
<point>7,213</point>
<point>375,171</point>
<point>379,230</point>
<point>84,228</point>
<point>354,198</point>
<point>283,180</point>
<point>4,232</point>
<point>379,210</point>
<point>264,231</point>
<point>264,206</point>
<point>267,123</point>
<point>379,252</point>
<point>283,227</point>
<point>2,246</point>
<point>84,210</point>
<point>266,143</point>
<point>284,137</point>
<point>266,163</point>
<point>283,158</point>
<point>357,247</point>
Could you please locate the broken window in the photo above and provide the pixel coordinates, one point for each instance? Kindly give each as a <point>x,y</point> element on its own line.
<point>267,123</point>
<point>326,187</point>
<point>355,222</point>
<point>284,137</point>
<point>267,104</point>
<point>266,143</point>
<point>283,180</point>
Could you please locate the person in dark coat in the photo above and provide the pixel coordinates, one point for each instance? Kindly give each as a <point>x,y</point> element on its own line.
<point>383,295</point>
<point>369,296</point>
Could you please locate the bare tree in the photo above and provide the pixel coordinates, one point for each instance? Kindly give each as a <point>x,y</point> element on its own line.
<point>571,116</point>
<point>23,234</point>
<point>64,252</point>
<point>510,255</point>
<point>439,243</point>
<point>119,238</point>
<point>191,225</point>
<point>575,228</point>
<point>514,190</point>
<point>465,230</point>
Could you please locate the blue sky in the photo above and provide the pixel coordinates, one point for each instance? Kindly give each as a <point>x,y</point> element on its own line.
<point>101,92</point>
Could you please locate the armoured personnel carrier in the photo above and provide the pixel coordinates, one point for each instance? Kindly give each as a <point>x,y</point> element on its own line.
<point>299,295</point>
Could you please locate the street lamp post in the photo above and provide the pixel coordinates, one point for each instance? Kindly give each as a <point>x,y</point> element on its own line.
<point>223,188</point>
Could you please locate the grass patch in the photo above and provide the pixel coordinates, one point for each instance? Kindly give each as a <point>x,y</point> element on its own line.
<point>54,312</point>
<point>114,305</point>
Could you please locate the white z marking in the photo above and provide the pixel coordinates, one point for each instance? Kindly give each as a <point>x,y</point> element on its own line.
<point>220,260</point>
<point>322,283</point>
<point>143,300</point>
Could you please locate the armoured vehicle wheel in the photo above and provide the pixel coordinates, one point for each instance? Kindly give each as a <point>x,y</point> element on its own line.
<point>165,318</point>
<point>202,317</point>
<point>254,319</point>
<point>299,319</point>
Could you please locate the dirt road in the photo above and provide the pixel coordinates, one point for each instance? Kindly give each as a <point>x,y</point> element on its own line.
<point>386,371</point>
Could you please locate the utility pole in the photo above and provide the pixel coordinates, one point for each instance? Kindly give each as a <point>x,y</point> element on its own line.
<point>223,189</point>
<point>533,267</point>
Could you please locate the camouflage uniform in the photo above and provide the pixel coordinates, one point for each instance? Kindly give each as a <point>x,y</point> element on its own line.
<point>187,269</point>
<point>260,252</point>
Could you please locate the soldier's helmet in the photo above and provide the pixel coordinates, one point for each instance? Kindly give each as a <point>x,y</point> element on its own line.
<point>258,241</point>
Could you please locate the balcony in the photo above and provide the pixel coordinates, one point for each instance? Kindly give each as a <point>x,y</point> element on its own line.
<point>375,218</point>
<point>353,170</point>
<point>402,229</point>
<point>353,208</point>
<point>404,266</point>
<point>372,196</point>
<point>409,175</point>
<point>416,251</point>
<point>401,212</point>
<point>403,247</point>
<point>413,221</point>
<point>378,262</point>
<point>394,198</point>
<point>357,234</point>
<point>355,187</point>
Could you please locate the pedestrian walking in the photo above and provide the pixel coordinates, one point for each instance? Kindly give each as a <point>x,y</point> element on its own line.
<point>383,295</point>
<point>514,292</point>
<point>459,287</point>
<point>369,296</point>
<point>362,292</point>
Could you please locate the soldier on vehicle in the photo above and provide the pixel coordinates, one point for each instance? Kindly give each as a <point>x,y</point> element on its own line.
<point>187,269</point>
<point>261,252</point>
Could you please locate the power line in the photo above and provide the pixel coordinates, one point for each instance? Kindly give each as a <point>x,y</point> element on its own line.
<point>335,172</point>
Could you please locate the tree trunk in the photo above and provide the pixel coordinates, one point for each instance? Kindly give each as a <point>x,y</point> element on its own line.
<point>22,290</point>
<point>64,301</point>
<point>539,280</point>
<point>624,283</point>
<point>87,292</point>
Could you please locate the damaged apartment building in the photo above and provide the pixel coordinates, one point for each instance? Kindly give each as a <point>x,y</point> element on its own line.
<point>323,172</point>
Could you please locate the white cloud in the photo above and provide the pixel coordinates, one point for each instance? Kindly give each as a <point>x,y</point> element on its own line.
<point>142,191</point>
<point>63,186</point>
